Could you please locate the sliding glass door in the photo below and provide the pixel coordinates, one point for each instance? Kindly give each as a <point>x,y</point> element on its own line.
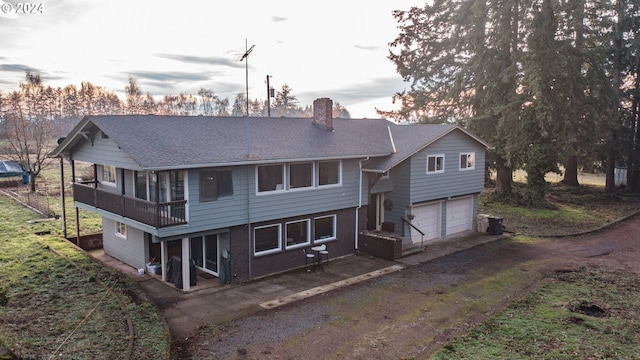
<point>204,252</point>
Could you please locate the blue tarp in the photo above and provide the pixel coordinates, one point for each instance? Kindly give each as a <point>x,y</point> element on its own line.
<point>10,168</point>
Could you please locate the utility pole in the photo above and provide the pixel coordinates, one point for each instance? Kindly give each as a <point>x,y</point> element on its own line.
<point>269,96</point>
<point>246,65</point>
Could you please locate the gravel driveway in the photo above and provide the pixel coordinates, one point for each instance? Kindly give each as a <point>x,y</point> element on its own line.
<point>413,312</point>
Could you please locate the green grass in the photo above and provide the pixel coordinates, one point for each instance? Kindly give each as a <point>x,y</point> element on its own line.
<point>55,300</point>
<point>589,313</point>
<point>573,210</point>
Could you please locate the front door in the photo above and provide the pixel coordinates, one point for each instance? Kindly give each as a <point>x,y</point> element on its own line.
<point>204,252</point>
<point>375,212</point>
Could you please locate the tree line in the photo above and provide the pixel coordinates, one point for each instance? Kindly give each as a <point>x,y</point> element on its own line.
<point>34,115</point>
<point>546,82</point>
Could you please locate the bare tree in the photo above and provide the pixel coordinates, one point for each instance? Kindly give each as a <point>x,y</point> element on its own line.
<point>134,97</point>
<point>26,127</point>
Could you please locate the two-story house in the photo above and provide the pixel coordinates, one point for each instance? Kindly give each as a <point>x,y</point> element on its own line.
<point>252,193</point>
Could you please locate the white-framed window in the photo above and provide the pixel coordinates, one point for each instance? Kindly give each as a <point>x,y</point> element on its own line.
<point>267,239</point>
<point>121,230</point>
<point>301,175</point>
<point>295,176</point>
<point>467,161</point>
<point>297,233</point>
<point>324,228</point>
<point>109,175</point>
<point>435,164</point>
<point>329,173</point>
<point>270,177</point>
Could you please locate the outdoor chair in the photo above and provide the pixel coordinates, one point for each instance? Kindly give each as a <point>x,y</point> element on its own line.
<point>324,252</point>
<point>308,257</point>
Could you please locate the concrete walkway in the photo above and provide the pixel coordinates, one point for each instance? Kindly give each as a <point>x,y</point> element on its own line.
<point>216,303</point>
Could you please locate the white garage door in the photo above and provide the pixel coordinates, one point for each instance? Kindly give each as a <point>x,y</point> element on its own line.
<point>459,215</point>
<point>427,219</point>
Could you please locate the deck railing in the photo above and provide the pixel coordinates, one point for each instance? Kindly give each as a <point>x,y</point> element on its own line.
<point>157,215</point>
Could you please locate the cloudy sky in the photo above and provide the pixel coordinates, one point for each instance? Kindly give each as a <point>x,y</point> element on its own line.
<point>324,48</point>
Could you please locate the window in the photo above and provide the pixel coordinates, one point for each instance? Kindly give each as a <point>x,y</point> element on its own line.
<point>467,161</point>
<point>325,228</point>
<point>435,164</point>
<point>141,185</point>
<point>215,184</point>
<point>270,178</point>
<point>109,174</point>
<point>121,230</point>
<point>267,239</point>
<point>297,233</point>
<point>328,173</point>
<point>300,175</point>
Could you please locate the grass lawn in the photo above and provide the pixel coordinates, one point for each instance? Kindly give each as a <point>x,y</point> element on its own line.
<point>588,313</point>
<point>56,301</point>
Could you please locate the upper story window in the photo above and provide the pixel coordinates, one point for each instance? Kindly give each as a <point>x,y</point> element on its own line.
<point>215,184</point>
<point>467,161</point>
<point>307,175</point>
<point>109,174</point>
<point>329,173</point>
<point>168,185</point>
<point>300,175</point>
<point>435,164</point>
<point>270,177</point>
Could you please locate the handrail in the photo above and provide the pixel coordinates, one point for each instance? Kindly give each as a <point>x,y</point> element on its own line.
<point>158,215</point>
<point>416,229</point>
<point>410,224</point>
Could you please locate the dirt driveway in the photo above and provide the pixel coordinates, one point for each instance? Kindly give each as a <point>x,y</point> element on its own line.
<point>413,312</point>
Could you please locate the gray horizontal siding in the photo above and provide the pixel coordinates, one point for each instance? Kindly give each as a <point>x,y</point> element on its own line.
<point>399,196</point>
<point>103,151</point>
<point>453,182</point>
<point>130,250</point>
<point>292,203</point>
<point>233,210</point>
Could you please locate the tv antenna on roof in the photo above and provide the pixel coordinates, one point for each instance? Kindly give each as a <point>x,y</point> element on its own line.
<point>245,56</point>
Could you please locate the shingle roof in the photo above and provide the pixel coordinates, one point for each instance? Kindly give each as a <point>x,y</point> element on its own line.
<point>155,142</point>
<point>159,142</point>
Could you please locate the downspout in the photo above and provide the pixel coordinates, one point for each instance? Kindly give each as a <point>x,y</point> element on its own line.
<point>357,232</point>
<point>249,252</point>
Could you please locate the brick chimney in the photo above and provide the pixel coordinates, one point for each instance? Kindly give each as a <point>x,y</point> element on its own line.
<point>323,113</point>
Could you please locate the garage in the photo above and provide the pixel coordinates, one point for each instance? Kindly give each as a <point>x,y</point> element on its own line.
<point>427,219</point>
<point>459,215</point>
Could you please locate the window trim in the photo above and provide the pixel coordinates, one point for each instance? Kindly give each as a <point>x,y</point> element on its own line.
<point>269,251</point>
<point>313,176</point>
<point>286,174</point>
<point>115,175</point>
<point>333,236</point>
<point>436,156</point>
<point>276,190</point>
<point>118,230</point>
<point>473,160</point>
<point>299,245</point>
<point>339,183</point>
